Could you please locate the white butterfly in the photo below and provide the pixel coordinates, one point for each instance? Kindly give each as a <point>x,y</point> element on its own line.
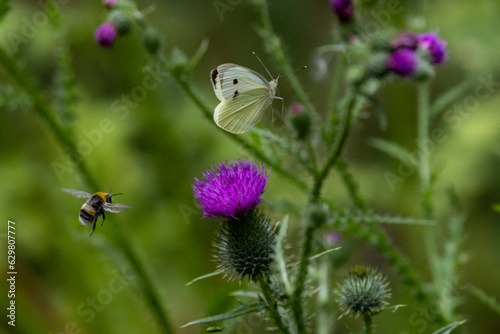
<point>244,95</point>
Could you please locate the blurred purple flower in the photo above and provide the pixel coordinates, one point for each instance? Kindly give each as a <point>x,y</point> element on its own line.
<point>333,237</point>
<point>405,40</point>
<point>109,3</point>
<point>344,9</point>
<point>230,188</point>
<point>403,62</point>
<point>435,46</point>
<point>106,34</point>
<point>297,108</point>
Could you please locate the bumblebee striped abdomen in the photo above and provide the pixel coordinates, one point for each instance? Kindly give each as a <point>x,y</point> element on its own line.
<point>92,209</point>
<point>87,214</point>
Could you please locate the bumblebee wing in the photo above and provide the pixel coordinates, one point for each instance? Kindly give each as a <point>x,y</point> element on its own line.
<point>243,111</point>
<point>77,193</point>
<point>116,207</point>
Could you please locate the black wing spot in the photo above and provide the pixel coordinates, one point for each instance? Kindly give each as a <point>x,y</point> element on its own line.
<point>235,94</point>
<point>235,81</point>
<point>214,75</point>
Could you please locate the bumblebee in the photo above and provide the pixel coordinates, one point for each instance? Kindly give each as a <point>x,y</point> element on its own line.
<point>95,206</point>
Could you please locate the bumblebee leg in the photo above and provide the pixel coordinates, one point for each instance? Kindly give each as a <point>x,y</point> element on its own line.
<point>93,227</point>
<point>103,217</point>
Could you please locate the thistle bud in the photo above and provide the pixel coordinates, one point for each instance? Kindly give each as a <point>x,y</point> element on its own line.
<point>122,21</point>
<point>363,292</point>
<point>244,246</point>
<point>151,40</point>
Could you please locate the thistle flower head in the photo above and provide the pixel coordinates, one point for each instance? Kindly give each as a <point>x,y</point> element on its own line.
<point>364,291</point>
<point>245,246</point>
<point>344,9</point>
<point>403,62</point>
<point>231,188</point>
<point>106,34</point>
<point>435,46</point>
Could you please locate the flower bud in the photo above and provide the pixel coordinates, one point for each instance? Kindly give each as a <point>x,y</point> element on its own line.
<point>344,9</point>
<point>364,291</point>
<point>151,40</point>
<point>300,120</point>
<point>122,21</point>
<point>244,246</point>
<point>106,34</point>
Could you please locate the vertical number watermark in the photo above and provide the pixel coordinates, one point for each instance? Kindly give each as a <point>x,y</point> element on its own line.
<point>11,273</point>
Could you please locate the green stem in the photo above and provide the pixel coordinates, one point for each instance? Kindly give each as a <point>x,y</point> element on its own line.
<point>336,154</point>
<point>276,50</point>
<point>423,145</point>
<point>272,304</point>
<point>367,318</point>
<point>311,226</point>
<point>148,289</point>
<point>43,108</point>
<point>424,142</point>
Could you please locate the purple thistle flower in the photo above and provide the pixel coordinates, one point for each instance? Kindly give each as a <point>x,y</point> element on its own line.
<point>230,188</point>
<point>105,34</point>
<point>435,46</point>
<point>344,9</point>
<point>403,62</point>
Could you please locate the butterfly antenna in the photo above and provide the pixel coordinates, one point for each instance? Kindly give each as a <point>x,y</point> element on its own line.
<point>263,64</point>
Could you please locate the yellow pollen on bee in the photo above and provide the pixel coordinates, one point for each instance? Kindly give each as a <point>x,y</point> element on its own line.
<point>102,196</point>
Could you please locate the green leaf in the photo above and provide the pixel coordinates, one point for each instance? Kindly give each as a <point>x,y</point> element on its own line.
<point>279,255</point>
<point>198,55</point>
<point>448,329</point>
<point>448,98</point>
<point>496,207</point>
<point>394,150</point>
<point>324,253</point>
<point>215,273</point>
<point>237,312</point>
<point>491,302</point>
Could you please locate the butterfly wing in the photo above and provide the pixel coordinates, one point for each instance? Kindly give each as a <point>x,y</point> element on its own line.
<point>244,110</point>
<point>230,78</point>
<point>77,193</point>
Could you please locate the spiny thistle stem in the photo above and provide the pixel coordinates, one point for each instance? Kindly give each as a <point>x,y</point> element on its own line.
<point>272,304</point>
<point>42,106</point>
<point>367,318</point>
<point>296,301</point>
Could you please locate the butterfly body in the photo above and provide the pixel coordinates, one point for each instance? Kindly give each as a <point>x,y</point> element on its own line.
<point>244,94</point>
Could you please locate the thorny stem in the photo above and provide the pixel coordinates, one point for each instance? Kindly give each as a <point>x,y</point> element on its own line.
<point>296,301</point>
<point>272,304</point>
<point>42,106</point>
<point>367,318</point>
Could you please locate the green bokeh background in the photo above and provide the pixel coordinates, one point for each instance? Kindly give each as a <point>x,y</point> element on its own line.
<point>154,152</point>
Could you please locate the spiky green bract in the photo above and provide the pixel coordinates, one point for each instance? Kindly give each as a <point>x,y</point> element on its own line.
<point>364,291</point>
<point>245,245</point>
